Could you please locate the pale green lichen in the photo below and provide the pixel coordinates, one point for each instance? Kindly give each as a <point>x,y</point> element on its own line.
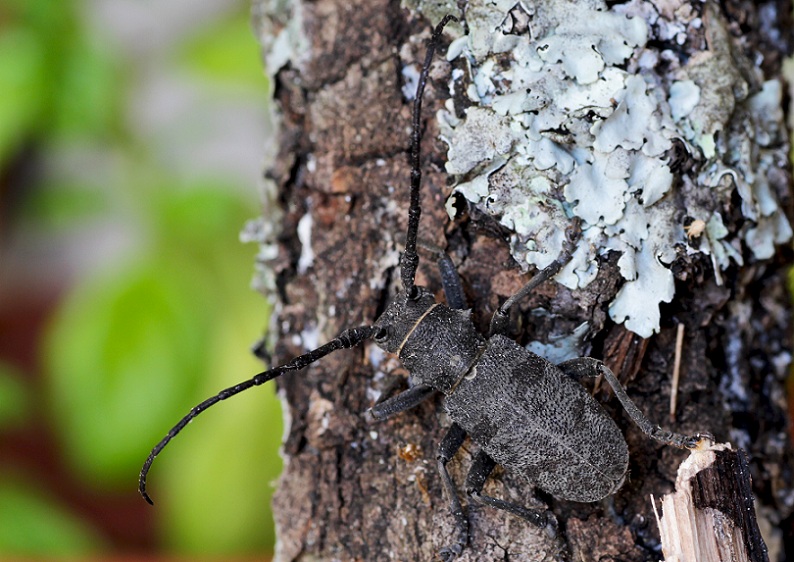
<point>278,25</point>
<point>482,137</point>
<point>562,347</point>
<point>586,46</point>
<point>569,119</point>
<point>684,97</point>
<point>279,28</point>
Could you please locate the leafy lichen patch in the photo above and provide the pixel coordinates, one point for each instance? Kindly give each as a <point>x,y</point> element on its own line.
<point>570,118</point>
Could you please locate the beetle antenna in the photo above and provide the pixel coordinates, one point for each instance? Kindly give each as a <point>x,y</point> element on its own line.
<point>410,259</point>
<point>348,338</point>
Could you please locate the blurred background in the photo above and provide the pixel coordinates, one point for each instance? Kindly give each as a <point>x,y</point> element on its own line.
<point>131,143</point>
<point>132,134</point>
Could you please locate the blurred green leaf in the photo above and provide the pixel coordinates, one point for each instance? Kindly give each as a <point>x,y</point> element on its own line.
<point>45,16</point>
<point>60,204</point>
<point>130,353</point>
<point>124,353</point>
<point>52,78</point>
<point>14,397</point>
<point>88,96</point>
<point>227,53</point>
<point>201,214</point>
<point>230,454</point>
<point>201,223</point>
<point>32,525</point>
<point>22,86</point>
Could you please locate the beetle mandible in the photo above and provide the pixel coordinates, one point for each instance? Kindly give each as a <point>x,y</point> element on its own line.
<point>566,445</point>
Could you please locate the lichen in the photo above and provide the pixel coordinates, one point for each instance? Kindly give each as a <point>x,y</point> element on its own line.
<point>306,259</point>
<point>279,28</point>
<point>563,347</point>
<point>569,118</point>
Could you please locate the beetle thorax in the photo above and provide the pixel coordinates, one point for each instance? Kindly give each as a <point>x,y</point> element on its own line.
<point>438,345</point>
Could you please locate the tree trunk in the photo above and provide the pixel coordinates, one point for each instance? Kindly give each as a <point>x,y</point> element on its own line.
<point>655,126</point>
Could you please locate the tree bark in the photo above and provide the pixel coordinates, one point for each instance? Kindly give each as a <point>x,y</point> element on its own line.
<point>353,491</point>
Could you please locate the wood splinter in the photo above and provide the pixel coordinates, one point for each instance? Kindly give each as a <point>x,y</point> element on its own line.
<point>679,345</point>
<point>711,515</point>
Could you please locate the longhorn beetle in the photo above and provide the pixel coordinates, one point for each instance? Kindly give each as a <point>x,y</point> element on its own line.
<point>565,443</point>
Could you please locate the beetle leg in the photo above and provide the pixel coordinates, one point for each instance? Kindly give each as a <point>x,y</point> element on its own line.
<point>581,368</point>
<point>394,385</point>
<point>480,469</point>
<point>446,450</point>
<point>500,321</point>
<point>588,367</point>
<point>401,402</point>
<point>648,428</point>
<point>450,280</point>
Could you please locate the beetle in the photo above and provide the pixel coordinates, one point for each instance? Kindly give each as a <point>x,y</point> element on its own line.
<point>523,412</point>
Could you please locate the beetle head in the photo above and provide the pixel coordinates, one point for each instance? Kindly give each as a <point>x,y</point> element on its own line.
<point>400,317</point>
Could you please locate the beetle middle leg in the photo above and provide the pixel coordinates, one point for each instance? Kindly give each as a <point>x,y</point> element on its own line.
<point>450,445</point>
<point>582,367</point>
<point>500,321</point>
<point>479,472</point>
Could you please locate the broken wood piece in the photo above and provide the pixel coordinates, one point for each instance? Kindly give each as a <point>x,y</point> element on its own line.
<point>711,515</point>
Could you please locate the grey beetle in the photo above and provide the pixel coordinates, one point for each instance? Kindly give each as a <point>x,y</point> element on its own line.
<point>566,444</point>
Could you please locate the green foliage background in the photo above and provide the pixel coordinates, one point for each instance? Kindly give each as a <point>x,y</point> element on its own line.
<point>135,343</point>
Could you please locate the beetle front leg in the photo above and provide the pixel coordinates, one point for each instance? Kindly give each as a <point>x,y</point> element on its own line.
<point>450,280</point>
<point>446,450</point>
<point>479,472</point>
<point>403,401</point>
<point>588,367</point>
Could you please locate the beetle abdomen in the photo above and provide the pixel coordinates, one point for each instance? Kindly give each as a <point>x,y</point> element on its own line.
<point>533,419</point>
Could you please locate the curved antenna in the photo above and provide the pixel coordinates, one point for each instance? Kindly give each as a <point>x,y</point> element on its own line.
<point>346,339</point>
<point>410,259</point>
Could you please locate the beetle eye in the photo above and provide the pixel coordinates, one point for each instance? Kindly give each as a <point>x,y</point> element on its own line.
<point>381,335</point>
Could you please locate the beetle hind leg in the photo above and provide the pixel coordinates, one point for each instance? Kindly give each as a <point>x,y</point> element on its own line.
<point>479,472</point>
<point>583,367</point>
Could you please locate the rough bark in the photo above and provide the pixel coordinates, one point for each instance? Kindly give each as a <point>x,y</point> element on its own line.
<point>352,491</point>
